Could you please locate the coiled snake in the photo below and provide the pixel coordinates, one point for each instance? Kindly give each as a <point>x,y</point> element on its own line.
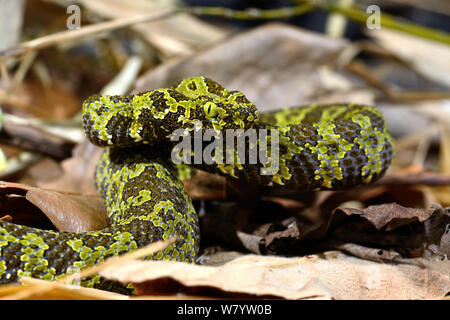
<point>321,147</point>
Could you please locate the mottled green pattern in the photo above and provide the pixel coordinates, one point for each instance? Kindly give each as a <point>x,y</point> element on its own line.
<point>146,202</point>
<point>321,147</point>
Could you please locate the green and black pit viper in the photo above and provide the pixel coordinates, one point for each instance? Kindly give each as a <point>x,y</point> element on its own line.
<point>321,147</point>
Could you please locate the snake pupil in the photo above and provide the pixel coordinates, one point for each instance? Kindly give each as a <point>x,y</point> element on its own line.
<point>192,86</point>
<point>210,109</point>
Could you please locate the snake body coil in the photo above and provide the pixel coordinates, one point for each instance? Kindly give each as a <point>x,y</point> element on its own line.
<point>321,147</point>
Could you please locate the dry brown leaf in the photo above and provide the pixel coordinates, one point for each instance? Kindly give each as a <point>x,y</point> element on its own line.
<point>272,238</point>
<point>78,171</point>
<point>67,212</point>
<point>445,242</point>
<point>275,65</point>
<point>437,230</point>
<point>57,102</point>
<point>417,51</point>
<point>70,212</point>
<point>205,186</point>
<point>381,215</point>
<point>329,275</point>
<point>443,249</point>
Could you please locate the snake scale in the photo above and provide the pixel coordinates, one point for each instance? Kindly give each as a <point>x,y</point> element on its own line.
<point>321,147</point>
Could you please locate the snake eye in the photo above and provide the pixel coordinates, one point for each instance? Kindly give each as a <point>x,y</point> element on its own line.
<point>210,109</point>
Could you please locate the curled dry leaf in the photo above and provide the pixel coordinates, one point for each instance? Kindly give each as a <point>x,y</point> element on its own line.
<point>443,249</point>
<point>70,212</point>
<point>261,227</point>
<point>381,215</point>
<point>445,242</point>
<point>329,275</point>
<point>272,238</point>
<point>67,212</point>
<point>437,230</point>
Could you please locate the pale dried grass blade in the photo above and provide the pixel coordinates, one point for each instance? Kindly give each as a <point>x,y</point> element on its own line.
<point>41,289</point>
<point>73,35</point>
<point>140,253</point>
<point>41,286</point>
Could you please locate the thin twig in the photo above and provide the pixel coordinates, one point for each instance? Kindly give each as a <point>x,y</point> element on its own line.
<point>20,74</point>
<point>386,20</point>
<point>4,74</point>
<point>393,23</point>
<point>422,149</point>
<point>251,13</point>
<point>24,66</point>
<point>71,35</point>
<point>360,69</point>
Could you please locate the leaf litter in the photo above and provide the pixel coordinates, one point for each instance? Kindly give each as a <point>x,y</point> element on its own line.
<point>386,241</point>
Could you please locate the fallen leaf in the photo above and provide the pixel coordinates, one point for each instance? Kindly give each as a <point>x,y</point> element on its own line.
<point>67,212</point>
<point>329,275</point>
<point>56,102</point>
<point>445,242</point>
<point>416,51</point>
<point>273,238</point>
<point>437,230</point>
<point>261,227</point>
<point>78,171</point>
<point>436,224</point>
<point>206,186</point>
<point>381,215</point>
<point>275,65</point>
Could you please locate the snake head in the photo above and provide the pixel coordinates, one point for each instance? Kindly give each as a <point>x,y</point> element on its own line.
<point>224,113</point>
<point>152,116</point>
<point>217,108</point>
